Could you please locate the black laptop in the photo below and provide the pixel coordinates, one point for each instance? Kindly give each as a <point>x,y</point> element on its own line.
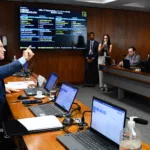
<point>107,120</point>
<point>47,88</point>
<point>126,63</point>
<point>62,104</point>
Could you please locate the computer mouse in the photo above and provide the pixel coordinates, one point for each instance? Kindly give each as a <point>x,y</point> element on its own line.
<point>23,96</point>
<point>67,121</point>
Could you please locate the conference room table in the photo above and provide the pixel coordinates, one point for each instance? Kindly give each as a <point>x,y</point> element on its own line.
<point>43,140</point>
<point>126,79</point>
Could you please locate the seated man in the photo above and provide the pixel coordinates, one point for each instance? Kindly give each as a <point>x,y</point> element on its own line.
<point>132,56</point>
<point>8,70</point>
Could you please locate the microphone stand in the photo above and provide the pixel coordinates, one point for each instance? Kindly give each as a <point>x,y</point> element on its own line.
<point>83,123</point>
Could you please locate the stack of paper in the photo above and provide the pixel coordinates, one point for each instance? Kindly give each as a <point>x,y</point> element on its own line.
<point>19,84</point>
<point>39,123</point>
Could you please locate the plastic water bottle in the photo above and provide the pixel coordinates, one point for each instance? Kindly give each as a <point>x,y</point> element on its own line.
<point>130,137</point>
<point>14,58</point>
<point>113,62</point>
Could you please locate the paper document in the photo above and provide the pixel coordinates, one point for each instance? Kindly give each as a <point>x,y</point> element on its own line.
<point>39,123</point>
<point>17,86</point>
<point>22,82</point>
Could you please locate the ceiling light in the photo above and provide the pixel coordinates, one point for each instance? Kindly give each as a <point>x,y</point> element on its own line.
<point>135,4</point>
<point>97,1</point>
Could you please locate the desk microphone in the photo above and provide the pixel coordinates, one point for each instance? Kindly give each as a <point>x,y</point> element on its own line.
<point>140,121</point>
<point>37,82</point>
<point>31,101</point>
<point>83,123</point>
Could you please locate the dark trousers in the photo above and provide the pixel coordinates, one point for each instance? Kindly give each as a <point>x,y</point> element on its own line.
<point>91,72</point>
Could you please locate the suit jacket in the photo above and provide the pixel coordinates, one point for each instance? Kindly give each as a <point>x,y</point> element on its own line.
<point>6,71</point>
<point>135,59</point>
<point>95,50</point>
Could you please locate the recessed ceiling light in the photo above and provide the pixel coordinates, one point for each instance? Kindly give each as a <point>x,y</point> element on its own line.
<point>97,1</point>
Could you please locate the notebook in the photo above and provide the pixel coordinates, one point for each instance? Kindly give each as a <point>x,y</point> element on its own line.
<point>61,106</point>
<point>31,125</point>
<point>47,88</point>
<point>107,120</point>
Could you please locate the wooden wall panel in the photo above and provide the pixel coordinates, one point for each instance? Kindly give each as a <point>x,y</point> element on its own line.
<point>143,36</point>
<point>108,26</point>
<point>125,28</point>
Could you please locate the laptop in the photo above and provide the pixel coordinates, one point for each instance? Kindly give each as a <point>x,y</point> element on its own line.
<point>126,65</point>
<point>22,73</point>
<point>61,106</point>
<point>46,89</point>
<point>107,120</point>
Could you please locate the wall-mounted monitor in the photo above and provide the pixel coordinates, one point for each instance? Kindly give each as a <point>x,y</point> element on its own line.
<point>53,29</point>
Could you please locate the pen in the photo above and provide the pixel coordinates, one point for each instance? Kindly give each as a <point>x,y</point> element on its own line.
<point>15,101</point>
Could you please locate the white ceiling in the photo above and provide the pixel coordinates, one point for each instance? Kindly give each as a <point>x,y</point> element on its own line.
<point>139,5</point>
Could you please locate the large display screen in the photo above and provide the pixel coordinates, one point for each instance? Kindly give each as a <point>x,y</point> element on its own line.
<point>52,29</point>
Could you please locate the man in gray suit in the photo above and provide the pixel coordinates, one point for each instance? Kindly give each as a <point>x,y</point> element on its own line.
<point>132,56</point>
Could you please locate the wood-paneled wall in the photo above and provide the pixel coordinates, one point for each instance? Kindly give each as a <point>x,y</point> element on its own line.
<point>126,28</point>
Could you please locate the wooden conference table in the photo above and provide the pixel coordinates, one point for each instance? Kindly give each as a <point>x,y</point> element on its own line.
<point>43,140</point>
<point>125,79</point>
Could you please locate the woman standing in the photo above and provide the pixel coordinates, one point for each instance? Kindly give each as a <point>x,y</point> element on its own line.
<point>104,49</point>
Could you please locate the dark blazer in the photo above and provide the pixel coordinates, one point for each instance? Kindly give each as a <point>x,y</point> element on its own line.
<point>6,71</point>
<point>95,50</point>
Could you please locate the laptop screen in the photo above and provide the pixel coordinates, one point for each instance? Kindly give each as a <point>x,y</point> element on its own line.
<point>51,81</point>
<point>66,96</point>
<point>107,119</point>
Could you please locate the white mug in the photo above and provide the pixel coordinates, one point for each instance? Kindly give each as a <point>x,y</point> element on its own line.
<point>39,93</point>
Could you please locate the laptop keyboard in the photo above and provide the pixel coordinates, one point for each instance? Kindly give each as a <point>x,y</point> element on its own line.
<point>92,141</point>
<point>50,109</point>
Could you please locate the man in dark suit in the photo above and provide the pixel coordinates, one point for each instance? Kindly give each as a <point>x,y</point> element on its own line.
<point>91,55</point>
<point>8,70</point>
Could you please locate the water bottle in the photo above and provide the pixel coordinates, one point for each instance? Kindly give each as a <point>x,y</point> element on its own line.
<point>14,58</point>
<point>130,138</point>
<point>113,62</point>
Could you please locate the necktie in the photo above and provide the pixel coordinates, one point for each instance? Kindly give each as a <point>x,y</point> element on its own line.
<point>91,47</point>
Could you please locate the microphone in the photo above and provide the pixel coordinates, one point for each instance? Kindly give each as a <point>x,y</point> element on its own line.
<point>31,101</point>
<point>83,123</point>
<point>37,82</point>
<point>78,108</point>
<point>139,120</point>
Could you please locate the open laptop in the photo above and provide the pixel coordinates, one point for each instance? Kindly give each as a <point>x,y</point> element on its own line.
<point>107,120</point>
<point>61,106</point>
<point>126,65</point>
<point>47,88</point>
<point>23,72</point>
